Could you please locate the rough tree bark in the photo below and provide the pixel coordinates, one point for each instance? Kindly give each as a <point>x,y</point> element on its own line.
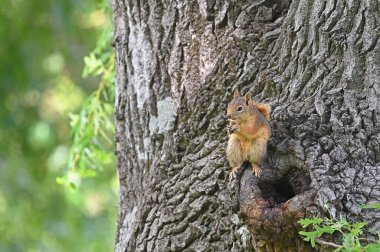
<point>316,62</point>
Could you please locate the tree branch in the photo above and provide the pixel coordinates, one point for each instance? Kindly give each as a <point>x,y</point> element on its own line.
<point>319,241</point>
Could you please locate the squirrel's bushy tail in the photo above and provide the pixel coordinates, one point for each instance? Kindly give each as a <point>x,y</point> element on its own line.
<point>263,108</point>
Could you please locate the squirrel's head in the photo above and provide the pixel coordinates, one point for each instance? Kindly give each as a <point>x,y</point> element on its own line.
<point>239,105</point>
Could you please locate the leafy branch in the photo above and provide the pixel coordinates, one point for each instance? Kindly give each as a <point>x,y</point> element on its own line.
<point>92,128</point>
<point>349,232</point>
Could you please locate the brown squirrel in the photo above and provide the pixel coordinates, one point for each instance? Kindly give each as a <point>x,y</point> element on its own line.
<point>250,132</point>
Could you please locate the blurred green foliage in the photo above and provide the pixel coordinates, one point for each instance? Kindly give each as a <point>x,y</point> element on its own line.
<point>41,64</point>
<point>93,128</point>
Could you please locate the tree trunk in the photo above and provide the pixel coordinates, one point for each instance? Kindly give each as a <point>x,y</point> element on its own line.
<point>317,63</point>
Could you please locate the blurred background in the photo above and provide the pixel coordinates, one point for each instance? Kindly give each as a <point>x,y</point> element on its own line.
<point>58,184</point>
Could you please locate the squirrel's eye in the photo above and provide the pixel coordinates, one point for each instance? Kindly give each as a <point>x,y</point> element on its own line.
<point>240,108</point>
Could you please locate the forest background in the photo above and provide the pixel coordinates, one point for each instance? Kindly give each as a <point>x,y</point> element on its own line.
<point>58,185</point>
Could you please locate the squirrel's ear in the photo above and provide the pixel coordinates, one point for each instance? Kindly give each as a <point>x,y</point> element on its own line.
<point>247,97</point>
<point>236,93</point>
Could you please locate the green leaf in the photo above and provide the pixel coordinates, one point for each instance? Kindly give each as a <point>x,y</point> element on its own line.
<point>61,180</point>
<point>306,221</point>
<point>347,241</point>
<point>337,225</point>
<point>324,229</point>
<point>375,247</point>
<point>370,206</point>
<point>357,228</point>
<point>72,186</point>
<point>344,222</point>
<point>93,66</point>
<point>309,236</point>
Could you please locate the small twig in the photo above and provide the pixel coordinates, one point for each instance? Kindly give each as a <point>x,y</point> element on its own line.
<point>327,243</point>
<point>368,240</point>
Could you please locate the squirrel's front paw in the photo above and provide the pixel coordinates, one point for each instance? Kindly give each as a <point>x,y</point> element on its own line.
<point>256,170</point>
<point>232,127</point>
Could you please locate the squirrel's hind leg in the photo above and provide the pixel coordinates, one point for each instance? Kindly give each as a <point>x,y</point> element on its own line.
<point>256,170</point>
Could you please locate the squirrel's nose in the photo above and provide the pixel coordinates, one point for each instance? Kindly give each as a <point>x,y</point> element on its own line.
<point>228,116</point>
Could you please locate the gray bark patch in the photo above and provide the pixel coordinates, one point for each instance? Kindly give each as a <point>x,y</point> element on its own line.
<point>164,121</point>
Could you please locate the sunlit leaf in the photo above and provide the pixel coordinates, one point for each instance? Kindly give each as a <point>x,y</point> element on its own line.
<point>370,206</point>
<point>306,221</point>
<point>372,247</point>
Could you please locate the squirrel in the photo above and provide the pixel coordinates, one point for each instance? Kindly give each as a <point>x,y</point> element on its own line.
<point>249,132</point>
